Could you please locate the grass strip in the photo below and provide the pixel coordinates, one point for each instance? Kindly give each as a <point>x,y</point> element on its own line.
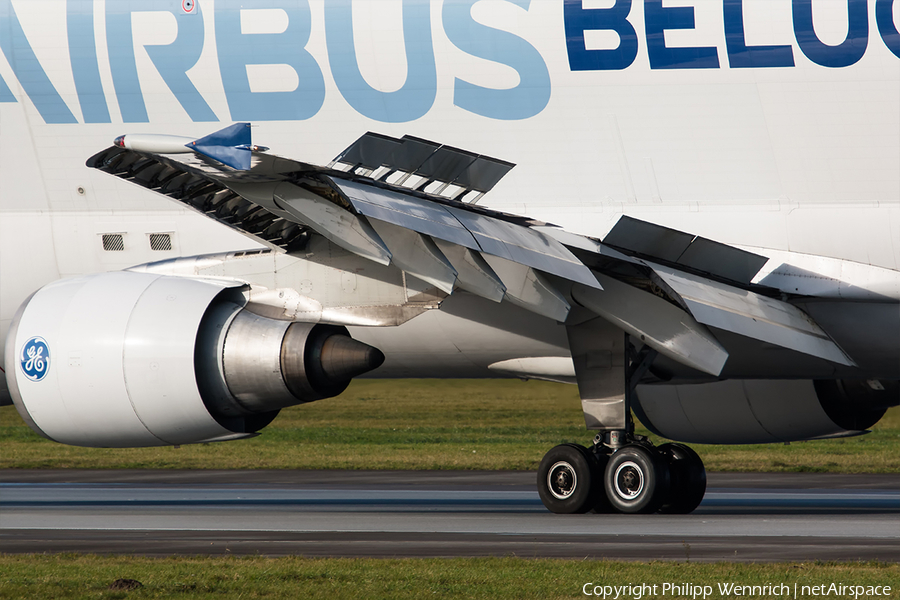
<point>66,576</point>
<point>436,424</point>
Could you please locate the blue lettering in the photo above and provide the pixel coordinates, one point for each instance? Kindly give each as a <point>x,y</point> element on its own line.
<point>411,101</point>
<point>171,60</point>
<point>6,94</point>
<point>884,16</point>
<point>83,56</point>
<point>579,19</point>
<point>742,56</point>
<point>237,50</point>
<point>174,60</point>
<point>844,54</point>
<point>525,100</point>
<point>656,21</point>
<point>120,43</point>
<point>28,70</point>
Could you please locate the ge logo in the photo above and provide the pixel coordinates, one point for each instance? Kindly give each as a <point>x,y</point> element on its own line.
<point>35,358</point>
<point>188,6</point>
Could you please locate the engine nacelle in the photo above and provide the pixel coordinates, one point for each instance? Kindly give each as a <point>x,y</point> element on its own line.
<point>762,411</point>
<point>129,359</point>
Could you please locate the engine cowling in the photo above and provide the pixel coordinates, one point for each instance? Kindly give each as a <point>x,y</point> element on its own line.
<point>763,411</point>
<point>129,359</point>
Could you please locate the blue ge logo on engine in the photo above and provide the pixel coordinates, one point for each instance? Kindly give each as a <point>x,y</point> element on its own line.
<point>35,358</point>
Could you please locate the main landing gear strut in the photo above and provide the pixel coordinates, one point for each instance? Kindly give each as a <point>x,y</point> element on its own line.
<point>622,471</point>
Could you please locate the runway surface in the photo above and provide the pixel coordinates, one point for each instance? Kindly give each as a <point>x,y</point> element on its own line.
<point>744,517</point>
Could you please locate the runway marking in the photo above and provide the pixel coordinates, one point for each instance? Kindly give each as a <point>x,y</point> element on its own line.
<point>33,495</point>
<point>386,515</point>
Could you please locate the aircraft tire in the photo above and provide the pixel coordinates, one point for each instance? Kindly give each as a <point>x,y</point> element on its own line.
<point>601,504</point>
<point>688,476</point>
<point>568,480</point>
<point>636,480</point>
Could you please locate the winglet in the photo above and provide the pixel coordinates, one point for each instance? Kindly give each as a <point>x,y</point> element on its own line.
<point>230,146</point>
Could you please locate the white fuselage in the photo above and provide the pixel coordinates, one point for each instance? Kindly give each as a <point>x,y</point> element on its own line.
<point>802,158</point>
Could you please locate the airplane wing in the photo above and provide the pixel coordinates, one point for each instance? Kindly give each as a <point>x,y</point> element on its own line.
<point>712,283</point>
<point>433,236</point>
<point>402,202</point>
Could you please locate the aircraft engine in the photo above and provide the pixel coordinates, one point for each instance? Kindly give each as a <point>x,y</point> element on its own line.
<point>762,411</point>
<point>128,359</point>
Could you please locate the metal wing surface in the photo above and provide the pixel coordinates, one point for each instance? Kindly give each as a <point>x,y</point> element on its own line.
<point>281,202</point>
<point>750,314</point>
<point>418,214</point>
<point>455,245</point>
<point>684,249</point>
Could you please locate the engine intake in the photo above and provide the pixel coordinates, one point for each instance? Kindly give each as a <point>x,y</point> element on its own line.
<point>130,359</point>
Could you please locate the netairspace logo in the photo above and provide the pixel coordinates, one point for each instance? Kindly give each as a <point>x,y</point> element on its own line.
<point>734,590</point>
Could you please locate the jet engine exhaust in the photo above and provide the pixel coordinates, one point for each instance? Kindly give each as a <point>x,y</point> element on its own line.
<point>265,364</point>
<point>343,358</point>
<point>330,359</point>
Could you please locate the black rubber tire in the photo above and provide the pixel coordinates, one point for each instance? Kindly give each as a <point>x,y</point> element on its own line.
<point>601,504</point>
<point>568,480</point>
<point>688,479</point>
<point>636,480</point>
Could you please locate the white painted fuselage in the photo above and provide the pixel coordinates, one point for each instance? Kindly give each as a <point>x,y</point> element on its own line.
<point>798,152</point>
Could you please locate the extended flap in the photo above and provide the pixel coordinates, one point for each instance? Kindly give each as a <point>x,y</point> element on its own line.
<point>661,325</point>
<point>750,314</point>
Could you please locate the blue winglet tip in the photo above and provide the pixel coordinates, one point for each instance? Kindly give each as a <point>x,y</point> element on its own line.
<point>229,146</point>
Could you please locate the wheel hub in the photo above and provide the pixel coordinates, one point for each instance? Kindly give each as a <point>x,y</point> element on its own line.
<point>629,480</point>
<point>562,480</point>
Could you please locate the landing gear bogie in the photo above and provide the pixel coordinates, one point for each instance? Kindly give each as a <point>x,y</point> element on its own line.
<point>635,478</point>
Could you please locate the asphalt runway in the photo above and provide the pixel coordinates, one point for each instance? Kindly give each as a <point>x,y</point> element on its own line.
<point>744,517</point>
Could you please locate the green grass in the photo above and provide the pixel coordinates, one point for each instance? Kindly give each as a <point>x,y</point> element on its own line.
<point>436,424</point>
<point>89,576</point>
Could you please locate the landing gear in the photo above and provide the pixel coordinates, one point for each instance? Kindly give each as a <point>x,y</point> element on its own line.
<point>635,478</point>
<point>622,472</point>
